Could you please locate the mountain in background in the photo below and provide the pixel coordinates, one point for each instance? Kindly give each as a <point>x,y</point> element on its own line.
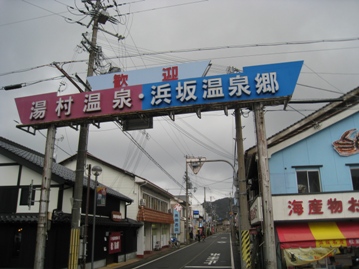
<point>219,209</point>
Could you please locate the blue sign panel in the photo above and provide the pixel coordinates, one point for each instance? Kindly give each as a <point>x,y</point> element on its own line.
<point>255,82</point>
<point>177,222</point>
<point>195,214</point>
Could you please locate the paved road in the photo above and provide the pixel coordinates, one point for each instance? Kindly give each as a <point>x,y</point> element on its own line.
<point>217,252</point>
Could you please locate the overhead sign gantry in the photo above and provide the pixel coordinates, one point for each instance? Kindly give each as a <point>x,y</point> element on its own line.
<point>270,84</point>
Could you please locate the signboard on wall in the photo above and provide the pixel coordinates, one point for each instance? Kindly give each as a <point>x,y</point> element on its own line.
<point>316,206</point>
<point>177,222</point>
<point>114,243</point>
<point>256,211</point>
<point>101,192</point>
<point>195,214</point>
<point>271,83</point>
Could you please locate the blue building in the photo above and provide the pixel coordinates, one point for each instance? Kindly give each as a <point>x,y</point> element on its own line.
<point>314,177</point>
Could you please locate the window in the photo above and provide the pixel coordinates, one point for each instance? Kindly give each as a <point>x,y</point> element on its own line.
<point>147,199</point>
<point>25,196</point>
<point>354,171</point>
<point>164,207</point>
<point>308,181</point>
<point>155,203</point>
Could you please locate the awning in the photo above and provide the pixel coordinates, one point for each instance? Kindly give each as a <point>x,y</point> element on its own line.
<point>318,234</point>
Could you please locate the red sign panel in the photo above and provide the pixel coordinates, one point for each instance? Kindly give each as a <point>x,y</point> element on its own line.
<point>51,108</point>
<point>114,243</point>
<point>116,216</point>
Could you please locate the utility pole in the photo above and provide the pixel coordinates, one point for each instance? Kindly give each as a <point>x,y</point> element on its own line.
<point>81,161</point>
<point>41,235</point>
<point>270,260</point>
<point>187,206</point>
<point>244,224</point>
<point>204,203</point>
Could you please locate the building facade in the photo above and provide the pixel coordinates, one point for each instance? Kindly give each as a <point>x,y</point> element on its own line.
<point>314,178</point>
<point>21,175</point>
<point>150,205</point>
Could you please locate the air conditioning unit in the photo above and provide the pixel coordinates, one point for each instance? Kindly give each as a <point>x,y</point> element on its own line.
<point>142,202</point>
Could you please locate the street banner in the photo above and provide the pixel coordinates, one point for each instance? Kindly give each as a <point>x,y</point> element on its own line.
<point>272,83</point>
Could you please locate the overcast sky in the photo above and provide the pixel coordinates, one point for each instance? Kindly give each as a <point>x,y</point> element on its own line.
<point>36,33</point>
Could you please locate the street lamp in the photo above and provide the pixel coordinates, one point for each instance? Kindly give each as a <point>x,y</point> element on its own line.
<point>96,171</point>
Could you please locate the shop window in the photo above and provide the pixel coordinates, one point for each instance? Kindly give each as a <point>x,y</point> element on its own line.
<point>308,181</point>
<point>354,171</point>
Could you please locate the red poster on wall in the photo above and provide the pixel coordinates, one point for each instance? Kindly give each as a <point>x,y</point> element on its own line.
<point>114,243</point>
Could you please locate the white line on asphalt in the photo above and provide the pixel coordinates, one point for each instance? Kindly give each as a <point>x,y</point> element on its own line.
<point>212,267</point>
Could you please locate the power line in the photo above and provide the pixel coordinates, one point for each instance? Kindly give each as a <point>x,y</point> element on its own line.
<point>128,135</point>
<point>152,53</point>
<point>198,141</point>
<point>276,44</point>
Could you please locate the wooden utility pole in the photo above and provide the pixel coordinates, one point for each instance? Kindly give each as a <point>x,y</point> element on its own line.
<point>270,258</point>
<point>81,161</point>
<point>41,235</point>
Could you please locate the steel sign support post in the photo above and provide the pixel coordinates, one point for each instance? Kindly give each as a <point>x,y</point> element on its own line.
<point>96,170</point>
<point>44,199</point>
<point>270,259</point>
<point>85,236</point>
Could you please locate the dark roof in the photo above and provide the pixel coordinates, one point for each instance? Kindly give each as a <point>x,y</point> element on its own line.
<point>19,218</point>
<point>35,161</point>
<point>66,218</point>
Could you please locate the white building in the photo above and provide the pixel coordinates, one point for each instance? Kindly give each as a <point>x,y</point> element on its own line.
<point>151,204</point>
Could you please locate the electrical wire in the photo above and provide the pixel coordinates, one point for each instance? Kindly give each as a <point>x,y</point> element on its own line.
<point>198,141</point>
<point>276,44</point>
<point>322,78</point>
<point>164,7</point>
<point>211,142</point>
<point>128,135</point>
<point>191,50</point>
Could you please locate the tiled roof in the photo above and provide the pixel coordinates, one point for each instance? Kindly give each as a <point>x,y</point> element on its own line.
<point>19,218</point>
<point>29,156</point>
<point>66,218</point>
<point>60,217</point>
<point>150,215</point>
